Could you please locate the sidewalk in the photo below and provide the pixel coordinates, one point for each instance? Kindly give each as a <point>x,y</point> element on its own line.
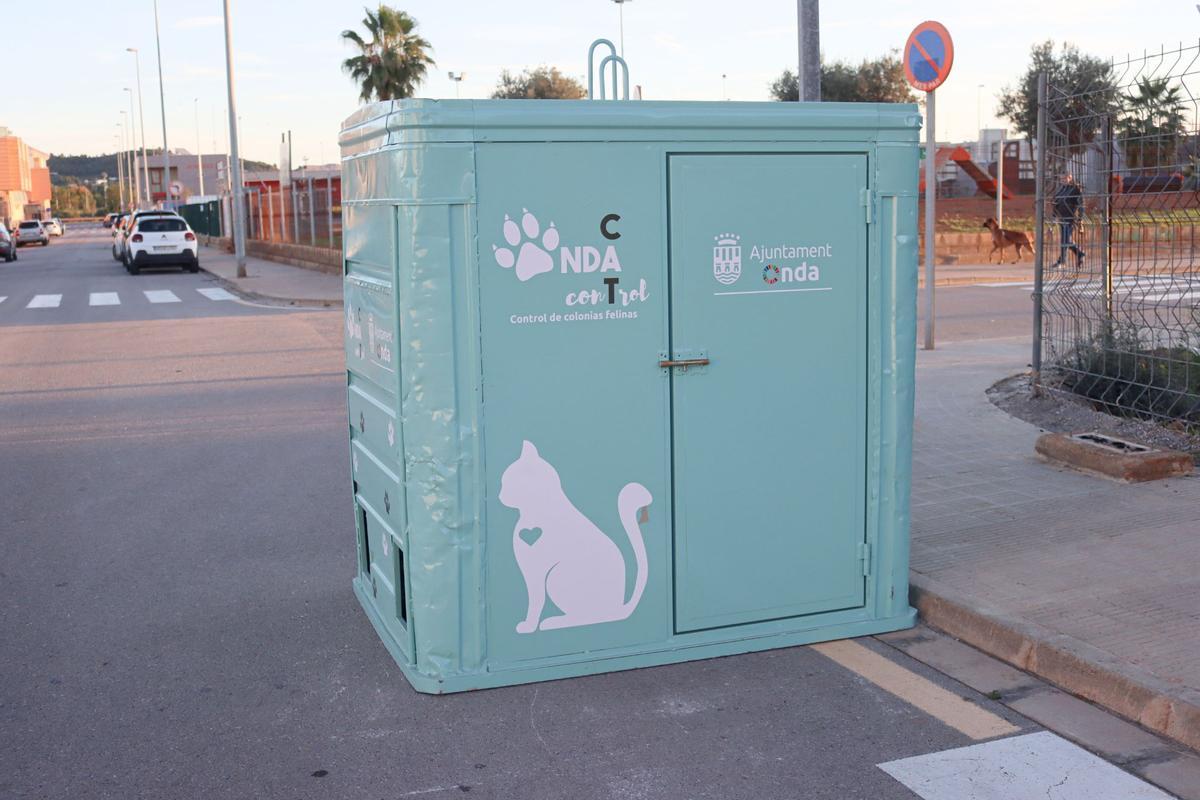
<point>970,274</point>
<point>272,282</point>
<point>1088,583</point>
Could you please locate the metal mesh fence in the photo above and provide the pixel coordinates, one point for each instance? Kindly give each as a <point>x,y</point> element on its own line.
<point>308,212</point>
<point>1119,206</point>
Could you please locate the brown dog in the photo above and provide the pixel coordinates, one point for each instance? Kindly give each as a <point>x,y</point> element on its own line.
<point>1002,238</point>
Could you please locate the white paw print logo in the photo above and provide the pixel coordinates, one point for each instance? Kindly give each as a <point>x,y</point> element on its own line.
<point>532,259</point>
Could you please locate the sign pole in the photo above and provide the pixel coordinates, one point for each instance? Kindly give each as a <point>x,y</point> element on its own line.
<point>930,195</point>
<point>1000,186</point>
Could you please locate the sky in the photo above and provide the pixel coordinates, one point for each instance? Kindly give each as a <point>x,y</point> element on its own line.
<point>288,54</point>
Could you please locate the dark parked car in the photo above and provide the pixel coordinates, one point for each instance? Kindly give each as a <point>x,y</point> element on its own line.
<point>8,248</point>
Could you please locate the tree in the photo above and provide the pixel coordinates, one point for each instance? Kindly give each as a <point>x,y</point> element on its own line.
<point>1151,123</point>
<point>73,201</point>
<point>1084,93</point>
<point>540,83</point>
<point>393,63</point>
<point>879,80</point>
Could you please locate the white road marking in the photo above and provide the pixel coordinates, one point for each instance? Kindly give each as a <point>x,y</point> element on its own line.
<point>1007,285</point>
<point>2,299</point>
<point>948,707</point>
<point>213,293</point>
<point>45,301</point>
<point>1035,765</point>
<point>161,296</point>
<point>104,299</point>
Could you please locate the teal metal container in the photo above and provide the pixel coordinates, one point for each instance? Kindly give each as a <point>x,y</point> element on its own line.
<point>629,383</point>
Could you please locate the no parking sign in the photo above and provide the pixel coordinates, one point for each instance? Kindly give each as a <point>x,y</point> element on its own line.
<point>928,56</point>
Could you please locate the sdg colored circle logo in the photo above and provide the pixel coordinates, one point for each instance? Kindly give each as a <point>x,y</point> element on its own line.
<point>770,274</point>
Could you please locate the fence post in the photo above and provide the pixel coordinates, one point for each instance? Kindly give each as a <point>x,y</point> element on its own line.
<point>312,217</point>
<point>329,207</point>
<point>1106,223</point>
<point>1039,261</point>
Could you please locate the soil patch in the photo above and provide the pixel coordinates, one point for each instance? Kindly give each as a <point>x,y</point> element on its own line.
<point>1062,413</point>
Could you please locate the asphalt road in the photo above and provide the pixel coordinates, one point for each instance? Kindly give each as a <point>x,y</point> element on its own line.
<point>76,280</point>
<point>176,611</point>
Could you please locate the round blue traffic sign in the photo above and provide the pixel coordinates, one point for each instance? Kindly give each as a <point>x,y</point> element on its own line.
<point>928,56</point>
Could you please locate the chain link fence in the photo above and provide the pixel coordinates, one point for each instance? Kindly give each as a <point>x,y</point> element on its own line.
<point>1118,204</point>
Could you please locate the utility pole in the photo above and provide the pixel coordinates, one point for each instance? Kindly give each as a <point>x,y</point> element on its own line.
<point>137,62</point>
<point>199,146</point>
<point>127,152</point>
<point>239,199</point>
<point>808,77</point>
<point>163,105</point>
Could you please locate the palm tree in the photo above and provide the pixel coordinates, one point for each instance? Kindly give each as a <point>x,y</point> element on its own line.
<point>1152,122</point>
<point>392,64</point>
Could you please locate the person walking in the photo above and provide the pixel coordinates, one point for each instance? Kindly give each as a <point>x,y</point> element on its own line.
<point>1068,203</point>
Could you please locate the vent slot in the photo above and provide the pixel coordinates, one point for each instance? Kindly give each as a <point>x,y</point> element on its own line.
<point>366,541</point>
<point>401,587</point>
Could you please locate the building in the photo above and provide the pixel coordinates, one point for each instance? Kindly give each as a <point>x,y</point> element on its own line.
<point>24,180</point>
<point>187,172</point>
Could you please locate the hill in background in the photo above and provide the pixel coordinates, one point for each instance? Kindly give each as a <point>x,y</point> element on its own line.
<point>88,169</point>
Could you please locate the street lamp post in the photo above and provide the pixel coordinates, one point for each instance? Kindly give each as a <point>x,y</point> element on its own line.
<point>137,65</point>
<point>457,77</point>
<point>138,170</point>
<point>120,137</point>
<point>127,154</point>
<point>621,7</point>
<point>199,147</point>
<point>236,188</point>
<point>163,106</point>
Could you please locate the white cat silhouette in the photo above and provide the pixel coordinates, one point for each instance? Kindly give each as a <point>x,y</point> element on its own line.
<point>572,561</point>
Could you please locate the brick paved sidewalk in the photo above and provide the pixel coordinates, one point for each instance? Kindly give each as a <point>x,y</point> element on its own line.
<point>1107,571</point>
<point>273,281</point>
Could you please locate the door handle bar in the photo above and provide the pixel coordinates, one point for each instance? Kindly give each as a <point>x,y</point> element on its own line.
<point>683,362</point>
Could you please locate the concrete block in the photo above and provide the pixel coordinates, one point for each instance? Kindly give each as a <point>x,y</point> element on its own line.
<point>1121,459</point>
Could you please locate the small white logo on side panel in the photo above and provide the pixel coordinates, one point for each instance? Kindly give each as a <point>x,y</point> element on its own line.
<point>727,258</point>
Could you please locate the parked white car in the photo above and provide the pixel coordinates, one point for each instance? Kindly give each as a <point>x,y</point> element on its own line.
<point>31,231</point>
<point>53,226</point>
<point>122,231</point>
<point>161,241</point>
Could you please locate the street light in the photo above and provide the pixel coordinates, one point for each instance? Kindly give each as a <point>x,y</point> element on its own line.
<point>724,94</point>
<point>137,65</point>
<point>621,6</point>
<point>163,106</point>
<point>138,171</point>
<point>457,77</point>
<point>128,154</point>
<point>978,109</point>
<point>120,137</point>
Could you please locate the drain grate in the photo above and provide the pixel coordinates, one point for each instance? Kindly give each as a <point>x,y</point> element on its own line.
<point>1110,443</point>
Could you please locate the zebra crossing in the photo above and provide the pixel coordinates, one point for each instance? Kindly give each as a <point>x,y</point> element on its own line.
<point>156,296</point>
<point>1136,289</point>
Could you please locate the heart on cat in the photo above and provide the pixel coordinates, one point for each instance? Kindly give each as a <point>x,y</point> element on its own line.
<point>530,535</point>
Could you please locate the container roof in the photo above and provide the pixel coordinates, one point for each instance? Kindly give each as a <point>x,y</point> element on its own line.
<point>397,122</point>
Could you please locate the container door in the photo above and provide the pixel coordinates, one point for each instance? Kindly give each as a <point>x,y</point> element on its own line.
<point>769,285</point>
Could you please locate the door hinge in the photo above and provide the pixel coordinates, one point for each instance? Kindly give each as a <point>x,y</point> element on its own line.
<point>864,555</point>
<point>868,201</point>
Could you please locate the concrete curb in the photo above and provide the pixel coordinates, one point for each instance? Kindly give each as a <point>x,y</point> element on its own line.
<point>1072,665</point>
<point>271,300</point>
